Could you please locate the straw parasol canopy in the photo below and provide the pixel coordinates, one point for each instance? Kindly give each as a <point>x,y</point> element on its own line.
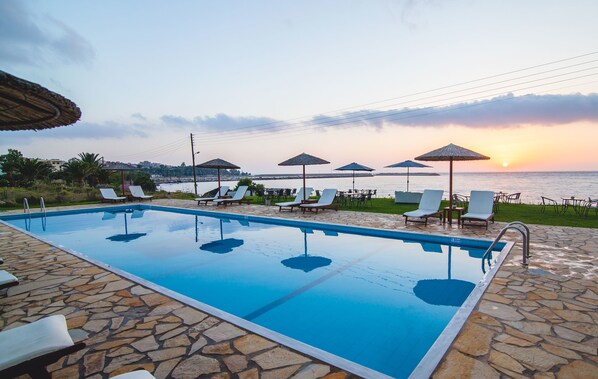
<point>122,167</point>
<point>218,164</point>
<point>354,167</point>
<point>28,106</point>
<point>303,160</point>
<point>408,164</point>
<point>451,153</point>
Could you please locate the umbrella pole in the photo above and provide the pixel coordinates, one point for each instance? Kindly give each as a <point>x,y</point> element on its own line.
<point>353,181</point>
<point>304,194</point>
<point>451,192</point>
<point>218,193</point>
<point>122,181</point>
<point>407,179</point>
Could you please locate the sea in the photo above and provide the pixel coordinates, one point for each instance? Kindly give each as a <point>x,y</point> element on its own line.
<point>531,185</point>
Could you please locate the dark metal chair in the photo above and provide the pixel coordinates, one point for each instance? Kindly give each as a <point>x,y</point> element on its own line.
<point>548,202</point>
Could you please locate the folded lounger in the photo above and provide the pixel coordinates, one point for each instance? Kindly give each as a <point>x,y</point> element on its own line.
<point>223,191</point>
<point>28,349</point>
<point>109,195</point>
<point>325,201</point>
<point>428,207</point>
<point>238,198</point>
<point>137,193</point>
<point>480,208</point>
<point>7,280</point>
<point>298,199</point>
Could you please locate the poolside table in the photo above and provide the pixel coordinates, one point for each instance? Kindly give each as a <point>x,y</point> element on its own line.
<point>445,213</point>
<point>572,202</point>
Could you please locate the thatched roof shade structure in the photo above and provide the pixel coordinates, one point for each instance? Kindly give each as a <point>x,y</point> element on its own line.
<point>303,160</point>
<point>28,106</point>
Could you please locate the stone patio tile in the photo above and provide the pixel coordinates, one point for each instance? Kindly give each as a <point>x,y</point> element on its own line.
<point>278,357</point>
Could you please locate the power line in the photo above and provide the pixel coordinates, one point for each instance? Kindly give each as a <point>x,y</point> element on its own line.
<point>397,115</point>
<point>282,123</point>
<point>385,114</point>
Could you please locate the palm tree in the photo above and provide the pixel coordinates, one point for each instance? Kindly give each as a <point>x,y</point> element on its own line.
<point>92,167</point>
<point>74,170</point>
<point>31,170</point>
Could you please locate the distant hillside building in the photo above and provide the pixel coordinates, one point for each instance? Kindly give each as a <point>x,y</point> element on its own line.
<point>55,163</point>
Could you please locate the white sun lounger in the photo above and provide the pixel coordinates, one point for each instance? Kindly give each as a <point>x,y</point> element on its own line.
<point>137,193</point>
<point>480,208</point>
<point>7,280</point>
<point>223,191</point>
<point>109,195</point>
<point>238,198</point>
<point>28,349</point>
<point>298,199</point>
<point>325,201</point>
<point>428,207</point>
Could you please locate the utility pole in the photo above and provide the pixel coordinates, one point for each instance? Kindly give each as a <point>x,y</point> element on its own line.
<point>193,161</point>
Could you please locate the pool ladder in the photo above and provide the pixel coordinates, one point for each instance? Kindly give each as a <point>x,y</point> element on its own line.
<point>515,225</point>
<point>42,209</point>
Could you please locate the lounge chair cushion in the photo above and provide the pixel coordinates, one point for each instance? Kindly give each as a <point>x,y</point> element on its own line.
<point>30,341</point>
<point>109,194</point>
<point>137,192</point>
<point>6,278</point>
<point>428,205</point>
<point>223,191</point>
<point>480,206</point>
<point>419,213</point>
<point>239,195</point>
<point>325,200</point>
<point>137,374</point>
<point>298,198</point>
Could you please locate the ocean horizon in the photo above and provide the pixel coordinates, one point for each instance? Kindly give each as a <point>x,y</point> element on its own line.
<point>531,184</point>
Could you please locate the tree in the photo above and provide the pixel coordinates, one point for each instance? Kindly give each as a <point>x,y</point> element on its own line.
<point>9,163</point>
<point>74,171</point>
<point>31,170</point>
<point>92,167</point>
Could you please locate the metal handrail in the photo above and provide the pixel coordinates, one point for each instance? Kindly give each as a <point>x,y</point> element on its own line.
<point>42,205</point>
<point>515,225</point>
<point>26,206</point>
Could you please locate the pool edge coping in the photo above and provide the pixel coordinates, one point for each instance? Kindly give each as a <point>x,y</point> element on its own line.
<point>424,368</point>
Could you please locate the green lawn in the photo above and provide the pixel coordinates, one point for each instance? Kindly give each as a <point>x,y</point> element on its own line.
<point>529,214</point>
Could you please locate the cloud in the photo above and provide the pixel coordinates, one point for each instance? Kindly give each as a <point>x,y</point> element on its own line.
<point>80,130</point>
<point>223,122</point>
<point>139,116</point>
<point>499,112</point>
<point>29,40</point>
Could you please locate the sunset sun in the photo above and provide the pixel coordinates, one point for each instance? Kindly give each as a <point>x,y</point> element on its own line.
<point>505,164</point>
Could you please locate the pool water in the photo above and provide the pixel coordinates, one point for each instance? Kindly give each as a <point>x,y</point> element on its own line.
<point>379,302</point>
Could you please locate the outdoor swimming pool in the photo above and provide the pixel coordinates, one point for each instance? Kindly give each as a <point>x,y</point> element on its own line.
<point>363,295</point>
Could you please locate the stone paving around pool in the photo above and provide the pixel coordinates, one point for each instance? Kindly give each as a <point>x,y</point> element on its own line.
<point>539,322</point>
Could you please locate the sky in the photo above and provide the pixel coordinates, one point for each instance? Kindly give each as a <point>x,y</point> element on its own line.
<point>257,82</point>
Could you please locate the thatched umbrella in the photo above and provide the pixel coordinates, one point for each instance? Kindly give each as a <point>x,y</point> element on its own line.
<point>451,153</point>
<point>354,167</point>
<point>218,164</point>
<point>122,167</point>
<point>303,160</point>
<point>28,106</point>
<point>408,164</point>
